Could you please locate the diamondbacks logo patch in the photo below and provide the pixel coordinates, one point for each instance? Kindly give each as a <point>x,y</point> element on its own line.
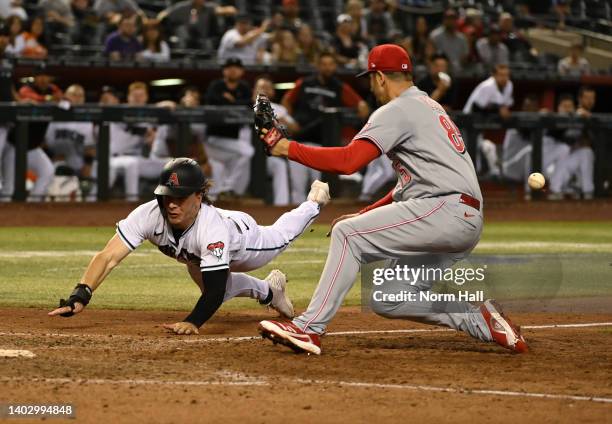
<point>173,180</point>
<point>216,249</point>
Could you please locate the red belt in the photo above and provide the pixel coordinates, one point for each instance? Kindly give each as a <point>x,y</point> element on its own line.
<point>470,201</point>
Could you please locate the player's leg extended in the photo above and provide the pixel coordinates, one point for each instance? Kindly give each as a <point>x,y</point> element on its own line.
<point>264,243</point>
<point>390,231</point>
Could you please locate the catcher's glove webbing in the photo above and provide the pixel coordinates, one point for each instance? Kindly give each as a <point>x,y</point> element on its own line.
<point>265,118</point>
<point>82,294</point>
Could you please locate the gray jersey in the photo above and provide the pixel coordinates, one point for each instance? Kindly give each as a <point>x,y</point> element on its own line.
<point>69,140</point>
<point>424,145</point>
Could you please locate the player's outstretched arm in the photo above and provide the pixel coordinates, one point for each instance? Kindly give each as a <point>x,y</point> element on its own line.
<point>100,266</point>
<point>215,283</point>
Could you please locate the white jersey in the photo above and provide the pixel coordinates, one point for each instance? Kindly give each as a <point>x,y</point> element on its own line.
<point>127,139</point>
<point>487,95</point>
<point>213,241</point>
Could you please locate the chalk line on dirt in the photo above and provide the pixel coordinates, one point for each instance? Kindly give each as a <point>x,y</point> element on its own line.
<point>260,381</point>
<point>333,333</point>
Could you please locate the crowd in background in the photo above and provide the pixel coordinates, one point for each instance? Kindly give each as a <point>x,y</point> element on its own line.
<point>468,37</point>
<point>62,155</point>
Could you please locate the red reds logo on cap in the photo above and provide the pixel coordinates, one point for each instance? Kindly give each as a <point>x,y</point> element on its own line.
<point>388,58</point>
<point>173,180</point>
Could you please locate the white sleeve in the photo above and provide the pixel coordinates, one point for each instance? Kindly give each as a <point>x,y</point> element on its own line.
<point>214,242</point>
<point>137,227</point>
<point>470,102</point>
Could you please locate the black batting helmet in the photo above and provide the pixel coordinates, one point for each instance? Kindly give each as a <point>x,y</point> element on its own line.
<point>180,178</point>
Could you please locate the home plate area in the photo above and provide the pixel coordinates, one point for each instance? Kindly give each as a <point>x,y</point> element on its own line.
<point>113,364</point>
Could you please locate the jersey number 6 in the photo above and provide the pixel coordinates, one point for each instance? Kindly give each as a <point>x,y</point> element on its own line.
<point>453,133</point>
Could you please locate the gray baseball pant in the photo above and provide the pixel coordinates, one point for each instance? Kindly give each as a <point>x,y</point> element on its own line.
<point>440,225</point>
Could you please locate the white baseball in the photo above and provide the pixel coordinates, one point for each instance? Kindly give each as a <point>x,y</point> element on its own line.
<point>536,181</point>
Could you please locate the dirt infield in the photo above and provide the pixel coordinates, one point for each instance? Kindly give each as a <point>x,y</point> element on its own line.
<point>105,214</point>
<point>115,365</point>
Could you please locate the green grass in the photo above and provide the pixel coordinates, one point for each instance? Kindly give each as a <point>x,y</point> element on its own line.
<point>537,259</point>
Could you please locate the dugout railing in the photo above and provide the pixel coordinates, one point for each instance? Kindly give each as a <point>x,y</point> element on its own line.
<point>471,125</point>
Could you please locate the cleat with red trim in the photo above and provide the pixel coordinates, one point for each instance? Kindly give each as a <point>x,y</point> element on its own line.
<point>504,332</point>
<point>290,335</point>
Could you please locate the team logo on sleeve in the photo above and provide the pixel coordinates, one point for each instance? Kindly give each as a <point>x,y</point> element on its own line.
<point>173,180</point>
<point>216,249</point>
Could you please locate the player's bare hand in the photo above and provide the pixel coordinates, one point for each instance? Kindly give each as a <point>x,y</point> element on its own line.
<point>182,327</point>
<point>340,218</point>
<point>279,149</point>
<point>78,307</point>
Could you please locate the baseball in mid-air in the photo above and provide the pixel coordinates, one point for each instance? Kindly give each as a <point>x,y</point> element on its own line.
<point>536,181</point>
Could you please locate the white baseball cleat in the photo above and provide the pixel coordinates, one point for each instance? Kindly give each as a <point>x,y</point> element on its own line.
<point>319,192</point>
<point>280,301</point>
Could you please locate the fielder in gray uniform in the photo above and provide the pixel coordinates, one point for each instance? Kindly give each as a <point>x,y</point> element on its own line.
<point>435,208</point>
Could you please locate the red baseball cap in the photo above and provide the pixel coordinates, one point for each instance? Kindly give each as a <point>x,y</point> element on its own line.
<point>388,58</point>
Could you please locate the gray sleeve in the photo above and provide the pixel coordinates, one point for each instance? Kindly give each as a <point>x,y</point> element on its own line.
<point>383,128</point>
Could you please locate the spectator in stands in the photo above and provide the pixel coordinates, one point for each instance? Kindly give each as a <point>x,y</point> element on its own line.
<point>586,101</point>
<point>155,48</point>
<point>472,19</point>
<point>399,16</point>
<point>520,48</point>
<point>379,22</point>
<point>421,47</point>
<point>473,60</point>
<point>491,50</point>
<point>86,29</point>
<point>310,47</point>
<point>229,147</point>
<point>12,8</point>
<point>355,8</point>
<point>123,43</point>
<point>72,144</point>
<point>58,18</point>
<point>290,11</point>
<point>305,102</point>
<point>195,23</point>
<point>448,41</point>
<point>16,42</point>
<point>346,47</point>
<point>112,11</point>
<point>129,144</point>
<point>244,42</point>
<point>109,96</point>
<point>492,96</point>
<point>278,168</point>
<point>286,51</point>
<point>575,64</point>
<point>33,40</point>
<point>438,83</point>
